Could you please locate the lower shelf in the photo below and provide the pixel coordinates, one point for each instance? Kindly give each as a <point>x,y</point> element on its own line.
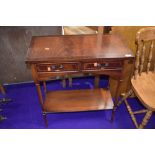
<point>78,100</point>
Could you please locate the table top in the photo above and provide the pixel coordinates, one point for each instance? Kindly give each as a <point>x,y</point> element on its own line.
<point>77,47</point>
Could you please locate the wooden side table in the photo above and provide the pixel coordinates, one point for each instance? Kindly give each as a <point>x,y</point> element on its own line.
<point>50,56</point>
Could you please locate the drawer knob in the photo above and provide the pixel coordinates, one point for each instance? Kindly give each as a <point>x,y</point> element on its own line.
<point>61,66</point>
<point>95,64</point>
<point>49,68</point>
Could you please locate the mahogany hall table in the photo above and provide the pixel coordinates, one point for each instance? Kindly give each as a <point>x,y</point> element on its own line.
<point>50,56</point>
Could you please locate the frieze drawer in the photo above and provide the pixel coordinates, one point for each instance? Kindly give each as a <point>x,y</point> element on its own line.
<point>102,65</point>
<point>58,67</point>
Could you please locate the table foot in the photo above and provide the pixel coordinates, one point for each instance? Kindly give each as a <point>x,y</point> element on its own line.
<point>45,119</point>
<point>2,118</point>
<point>4,100</point>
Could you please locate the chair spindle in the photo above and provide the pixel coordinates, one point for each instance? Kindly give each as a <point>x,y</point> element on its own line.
<point>142,59</point>
<point>150,57</point>
<point>137,61</point>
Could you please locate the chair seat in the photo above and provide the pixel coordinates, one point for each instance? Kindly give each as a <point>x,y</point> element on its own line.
<point>144,88</point>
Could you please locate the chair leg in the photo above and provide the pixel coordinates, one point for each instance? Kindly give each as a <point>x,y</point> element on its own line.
<point>131,113</point>
<point>45,119</point>
<point>145,119</point>
<point>129,93</point>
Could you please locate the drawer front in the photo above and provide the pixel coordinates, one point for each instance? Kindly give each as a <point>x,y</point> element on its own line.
<point>108,65</point>
<point>58,67</point>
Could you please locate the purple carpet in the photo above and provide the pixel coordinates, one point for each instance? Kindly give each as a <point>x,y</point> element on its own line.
<point>24,112</point>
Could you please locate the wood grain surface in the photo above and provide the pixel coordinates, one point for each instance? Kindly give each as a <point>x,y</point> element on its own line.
<point>78,100</point>
<point>71,47</point>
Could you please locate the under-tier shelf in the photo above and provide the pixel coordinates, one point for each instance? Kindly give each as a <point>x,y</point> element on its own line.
<point>78,100</point>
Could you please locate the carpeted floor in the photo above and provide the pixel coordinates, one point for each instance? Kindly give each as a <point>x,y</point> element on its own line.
<point>24,112</point>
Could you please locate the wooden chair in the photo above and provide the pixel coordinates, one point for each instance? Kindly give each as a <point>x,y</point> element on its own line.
<point>143,81</point>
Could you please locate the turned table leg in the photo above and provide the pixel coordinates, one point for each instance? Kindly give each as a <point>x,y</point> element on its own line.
<point>39,94</point>
<point>116,98</point>
<point>41,102</point>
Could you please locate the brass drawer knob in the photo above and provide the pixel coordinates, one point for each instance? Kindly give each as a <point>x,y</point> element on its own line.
<point>49,68</point>
<point>101,65</point>
<point>95,64</point>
